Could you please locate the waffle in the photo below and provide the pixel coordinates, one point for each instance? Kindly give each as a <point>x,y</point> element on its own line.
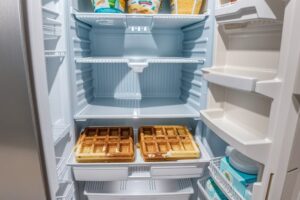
<point>163,143</point>
<point>105,144</point>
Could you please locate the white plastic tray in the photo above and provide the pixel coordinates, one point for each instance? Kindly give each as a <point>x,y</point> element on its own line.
<point>251,80</point>
<point>245,139</point>
<point>139,169</point>
<point>180,189</point>
<point>243,10</point>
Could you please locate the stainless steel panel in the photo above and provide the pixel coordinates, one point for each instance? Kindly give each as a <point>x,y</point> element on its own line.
<point>22,174</point>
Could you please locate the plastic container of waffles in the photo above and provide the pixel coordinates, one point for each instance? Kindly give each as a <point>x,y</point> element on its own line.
<point>167,143</point>
<point>144,6</point>
<point>105,144</point>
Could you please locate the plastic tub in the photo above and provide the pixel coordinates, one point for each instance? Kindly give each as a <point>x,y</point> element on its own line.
<point>109,6</point>
<point>144,6</point>
<point>186,6</point>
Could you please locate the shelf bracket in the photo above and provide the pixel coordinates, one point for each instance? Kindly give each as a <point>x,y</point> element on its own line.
<point>138,67</point>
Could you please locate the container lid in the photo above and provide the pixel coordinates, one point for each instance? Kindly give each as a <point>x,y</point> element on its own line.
<point>242,163</point>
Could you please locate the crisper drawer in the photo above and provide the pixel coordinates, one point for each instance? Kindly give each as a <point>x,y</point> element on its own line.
<point>140,189</point>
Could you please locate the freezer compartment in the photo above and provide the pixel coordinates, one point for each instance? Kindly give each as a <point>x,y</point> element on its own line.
<point>140,169</point>
<point>180,189</point>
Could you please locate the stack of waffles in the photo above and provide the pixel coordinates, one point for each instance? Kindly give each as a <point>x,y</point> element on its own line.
<point>105,144</point>
<point>163,143</point>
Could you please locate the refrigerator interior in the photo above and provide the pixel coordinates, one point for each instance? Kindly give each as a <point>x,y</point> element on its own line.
<point>150,70</point>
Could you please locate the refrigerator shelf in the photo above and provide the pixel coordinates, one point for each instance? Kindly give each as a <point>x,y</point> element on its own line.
<point>139,169</point>
<point>180,189</point>
<point>245,10</point>
<point>201,187</point>
<point>245,139</point>
<point>110,108</point>
<point>60,131</point>
<point>252,80</point>
<point>165,21</point>
<point>65,191</point>
<point>139,60</point>
<point>221,181</point>
<point>54,54</point>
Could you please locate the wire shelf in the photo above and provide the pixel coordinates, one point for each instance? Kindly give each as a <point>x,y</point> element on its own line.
<point>221,181</point>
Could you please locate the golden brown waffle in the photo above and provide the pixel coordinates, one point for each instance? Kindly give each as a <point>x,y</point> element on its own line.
<point>161,143</point>
<point>105,144</point>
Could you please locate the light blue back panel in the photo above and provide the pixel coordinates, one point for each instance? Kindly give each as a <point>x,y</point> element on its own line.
<point>83,80</point>
<point>119,81</point>
<point>197,42</point>
<point>117,42</point>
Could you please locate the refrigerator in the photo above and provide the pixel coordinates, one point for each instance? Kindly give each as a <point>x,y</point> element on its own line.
<point>230,74</point>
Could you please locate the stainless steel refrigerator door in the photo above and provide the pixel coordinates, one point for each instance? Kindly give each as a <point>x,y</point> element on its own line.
<point>27,164</point>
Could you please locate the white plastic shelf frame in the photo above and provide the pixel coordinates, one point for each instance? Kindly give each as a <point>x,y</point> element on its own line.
<point>245,139</point>
<point>139,64</point>
<point>244,10</point>
<point>110,108</point>
<point>180,189</point>
<point>139,169</point>
<point>222,182</point>
<point>166,21</point>
<point>252,80</point>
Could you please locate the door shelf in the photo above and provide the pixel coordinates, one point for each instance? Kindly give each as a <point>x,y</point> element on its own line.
<point>110,108</point>
<point>201,186</point>
<point>246,140</point>
<point>251,80</point>
<point>180,189</point>
<point>166,21</point>
<point>65,191</point>
<point>221,181</point>
<point>60,131</point>
<point>139,169</point>
<point>245,10</point>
